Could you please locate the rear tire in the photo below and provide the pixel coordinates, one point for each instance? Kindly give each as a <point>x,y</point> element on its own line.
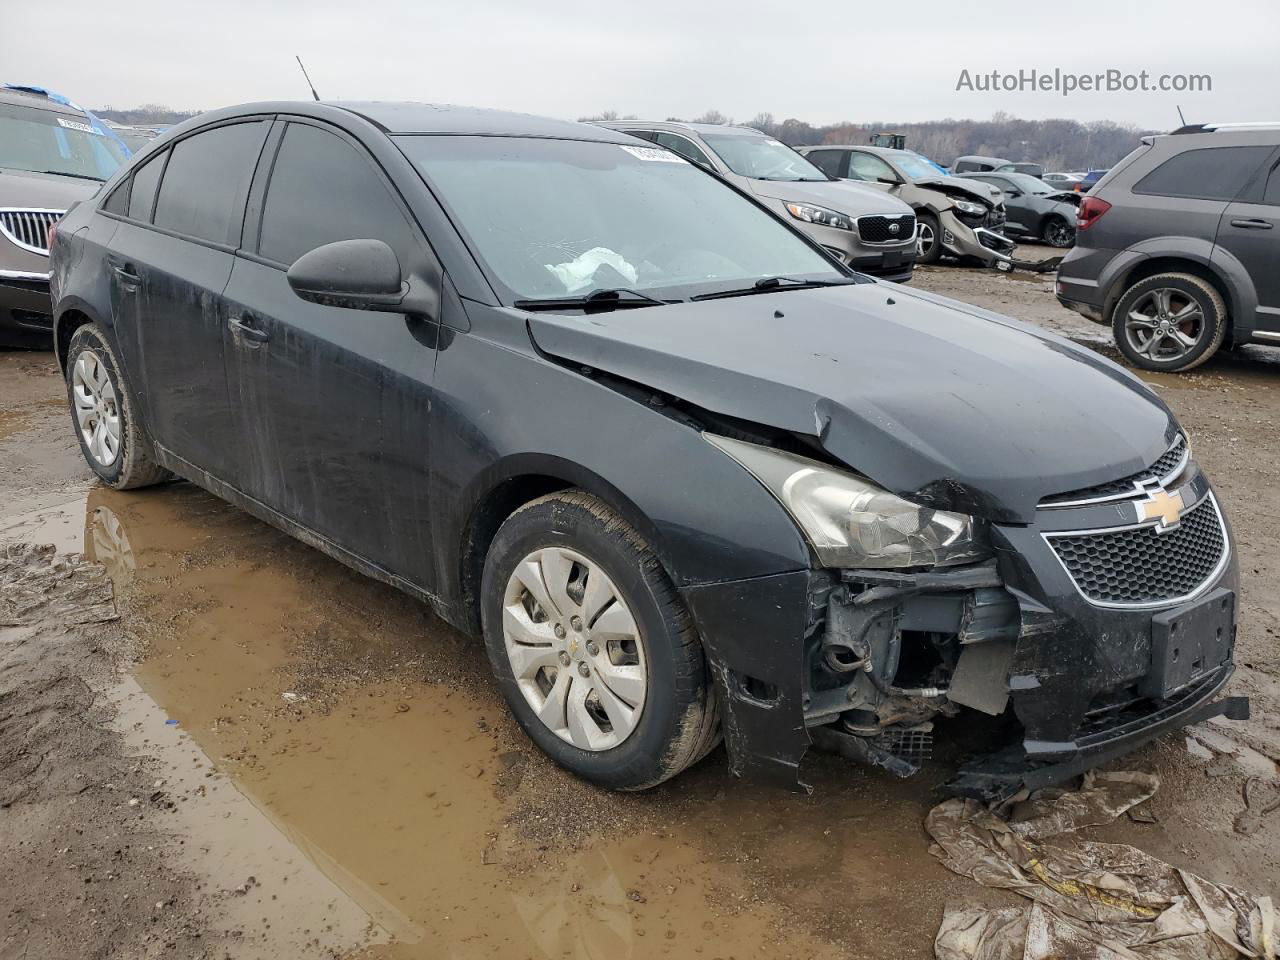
<point>112,439</point>
<point>610,643</point>
<point>1169,322</point>
<point>930,238</point>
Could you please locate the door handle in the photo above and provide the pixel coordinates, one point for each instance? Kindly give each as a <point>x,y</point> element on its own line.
<point>1253,223</point>
<point>246,329</point>
<point>126,275</point>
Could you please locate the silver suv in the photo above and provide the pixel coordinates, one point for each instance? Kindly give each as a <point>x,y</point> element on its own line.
<point>861,226</point>
<point>1177,246</point>
<point>52,155</point>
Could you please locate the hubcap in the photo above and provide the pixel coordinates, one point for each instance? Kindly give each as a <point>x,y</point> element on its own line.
<point>575,650</point>
<point>1164,325</point>
<point>97,413</point>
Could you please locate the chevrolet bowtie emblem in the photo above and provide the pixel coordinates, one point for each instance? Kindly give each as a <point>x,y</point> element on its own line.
<point>1163,506</point>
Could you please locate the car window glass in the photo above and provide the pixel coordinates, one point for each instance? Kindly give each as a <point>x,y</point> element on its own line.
<point>829,162</point>
<point>118,202</point>
<point>683,146</point>
<point>762,158</point>
<point>1272,194</point>
<point>324,190</point>
<point>202,194</point>
<point>142,196</point>
<point>1209,173</point>
<point>650,135</point>
<point>866,167</point>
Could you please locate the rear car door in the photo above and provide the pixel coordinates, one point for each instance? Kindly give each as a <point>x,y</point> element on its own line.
<point>171,257</point>
<point>332,403</point>
<point>1250,232</point>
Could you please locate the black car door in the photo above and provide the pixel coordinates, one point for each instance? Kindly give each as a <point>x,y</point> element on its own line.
<point>171,257</point>
<point>332,403</point>
<point>1250,232</point>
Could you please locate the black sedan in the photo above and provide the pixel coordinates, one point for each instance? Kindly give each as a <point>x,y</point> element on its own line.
<point>1036,210</point>
<point>687,475</point>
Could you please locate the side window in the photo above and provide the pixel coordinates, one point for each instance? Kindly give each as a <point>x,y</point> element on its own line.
<point>683,146</point>
<point>1210,173</point>
<point>143,195</point>
<point>650,135</point>
<point>830,162</point>
<point>206,181</point>
<point>323,190</point>
<point>118,202</point>
<point>866,167</point>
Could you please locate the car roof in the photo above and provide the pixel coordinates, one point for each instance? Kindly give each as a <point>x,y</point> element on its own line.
<point>699,128</point>
<point>29,97</point>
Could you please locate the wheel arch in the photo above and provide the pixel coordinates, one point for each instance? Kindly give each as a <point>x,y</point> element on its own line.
<point>72,314</point>
<point>1195,261</point>
<point>508,485</point>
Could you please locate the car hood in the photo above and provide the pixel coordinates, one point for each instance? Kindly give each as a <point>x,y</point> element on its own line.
<point>962,188</point>
<point>840,195</point>
<point>937,401</point>
<point>45,191</point>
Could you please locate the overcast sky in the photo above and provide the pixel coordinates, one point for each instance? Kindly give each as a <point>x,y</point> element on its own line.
<point>816,60</point>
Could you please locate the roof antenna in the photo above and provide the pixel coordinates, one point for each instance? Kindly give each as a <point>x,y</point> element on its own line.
<point>308,78</point>
<point>1180,116</point>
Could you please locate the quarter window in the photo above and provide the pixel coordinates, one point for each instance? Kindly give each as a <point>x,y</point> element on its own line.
<point>1210,173</point>
<point>118,202</point>
<point>1272,195</point>
<point>206,181</point>
<point>324,190</point>
<point>143,194</point>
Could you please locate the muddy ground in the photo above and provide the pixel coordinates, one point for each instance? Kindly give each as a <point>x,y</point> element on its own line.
<point>253,752</point>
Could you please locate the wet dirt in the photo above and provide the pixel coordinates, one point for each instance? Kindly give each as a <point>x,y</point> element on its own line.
<point>336,742</point>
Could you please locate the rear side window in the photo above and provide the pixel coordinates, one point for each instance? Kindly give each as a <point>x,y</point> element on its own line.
<point>323,190</point>
<point>143,195</point>
<point>206,181</point>
<point>830,162</point>
<point>683,146</point>
<point>118,202</point>
<point>1210,173</point>
<point>1272,194</point>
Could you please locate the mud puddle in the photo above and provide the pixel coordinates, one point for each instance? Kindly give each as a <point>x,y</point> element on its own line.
<point>383,789</point>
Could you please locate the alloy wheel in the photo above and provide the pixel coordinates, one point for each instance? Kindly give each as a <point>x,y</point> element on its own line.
<point>925,239</point>
<point>1059,233</point>
<point>575,649</point>
<point>1164,324</point>
<point>96,408</point>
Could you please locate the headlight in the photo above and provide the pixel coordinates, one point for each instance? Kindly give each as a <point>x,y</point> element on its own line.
<point>964,206</point>
<point>850,521</point>
<point>821,215</point>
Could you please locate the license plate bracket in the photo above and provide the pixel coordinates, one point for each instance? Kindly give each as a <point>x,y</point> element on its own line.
<point>1190,641</point>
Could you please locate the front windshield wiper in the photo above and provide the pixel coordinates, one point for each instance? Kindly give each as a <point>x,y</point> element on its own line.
<point>598,301</point>
<point>770,284</point>
<point>78,176</point>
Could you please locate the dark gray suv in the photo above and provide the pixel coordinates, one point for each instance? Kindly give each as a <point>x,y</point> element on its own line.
<point>1176,247</point>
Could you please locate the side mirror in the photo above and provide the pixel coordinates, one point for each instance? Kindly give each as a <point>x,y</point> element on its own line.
<point>1013,193</point>
<point>359,274</point>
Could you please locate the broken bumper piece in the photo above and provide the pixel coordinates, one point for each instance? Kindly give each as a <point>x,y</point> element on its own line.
<point>1031,766</point>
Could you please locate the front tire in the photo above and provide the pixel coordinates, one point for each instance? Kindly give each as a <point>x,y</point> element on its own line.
<point>930,243</point>
<point>112,439</point>
<point>1058,233</point>
<point>592,648</point>
<point>1170,322</point>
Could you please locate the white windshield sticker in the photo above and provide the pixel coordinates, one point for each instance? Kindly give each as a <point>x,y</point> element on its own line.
<point>75,125</point>
<point>653,153</point>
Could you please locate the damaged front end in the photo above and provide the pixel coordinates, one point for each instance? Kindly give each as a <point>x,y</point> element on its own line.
<point>971,224</point>
<point>1107,621</point>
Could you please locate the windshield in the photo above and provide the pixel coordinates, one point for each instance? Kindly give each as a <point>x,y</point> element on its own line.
<point>917,167</point>
<point>762,158</point>
<point>556,218</point>
<point>1029,184</point>
<point>50,142</point>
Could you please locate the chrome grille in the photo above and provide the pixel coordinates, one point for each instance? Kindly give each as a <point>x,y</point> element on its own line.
<point>1137,566</point>
<point>1167,467</point>
<point>28,229</point>
<point>880,229</point>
